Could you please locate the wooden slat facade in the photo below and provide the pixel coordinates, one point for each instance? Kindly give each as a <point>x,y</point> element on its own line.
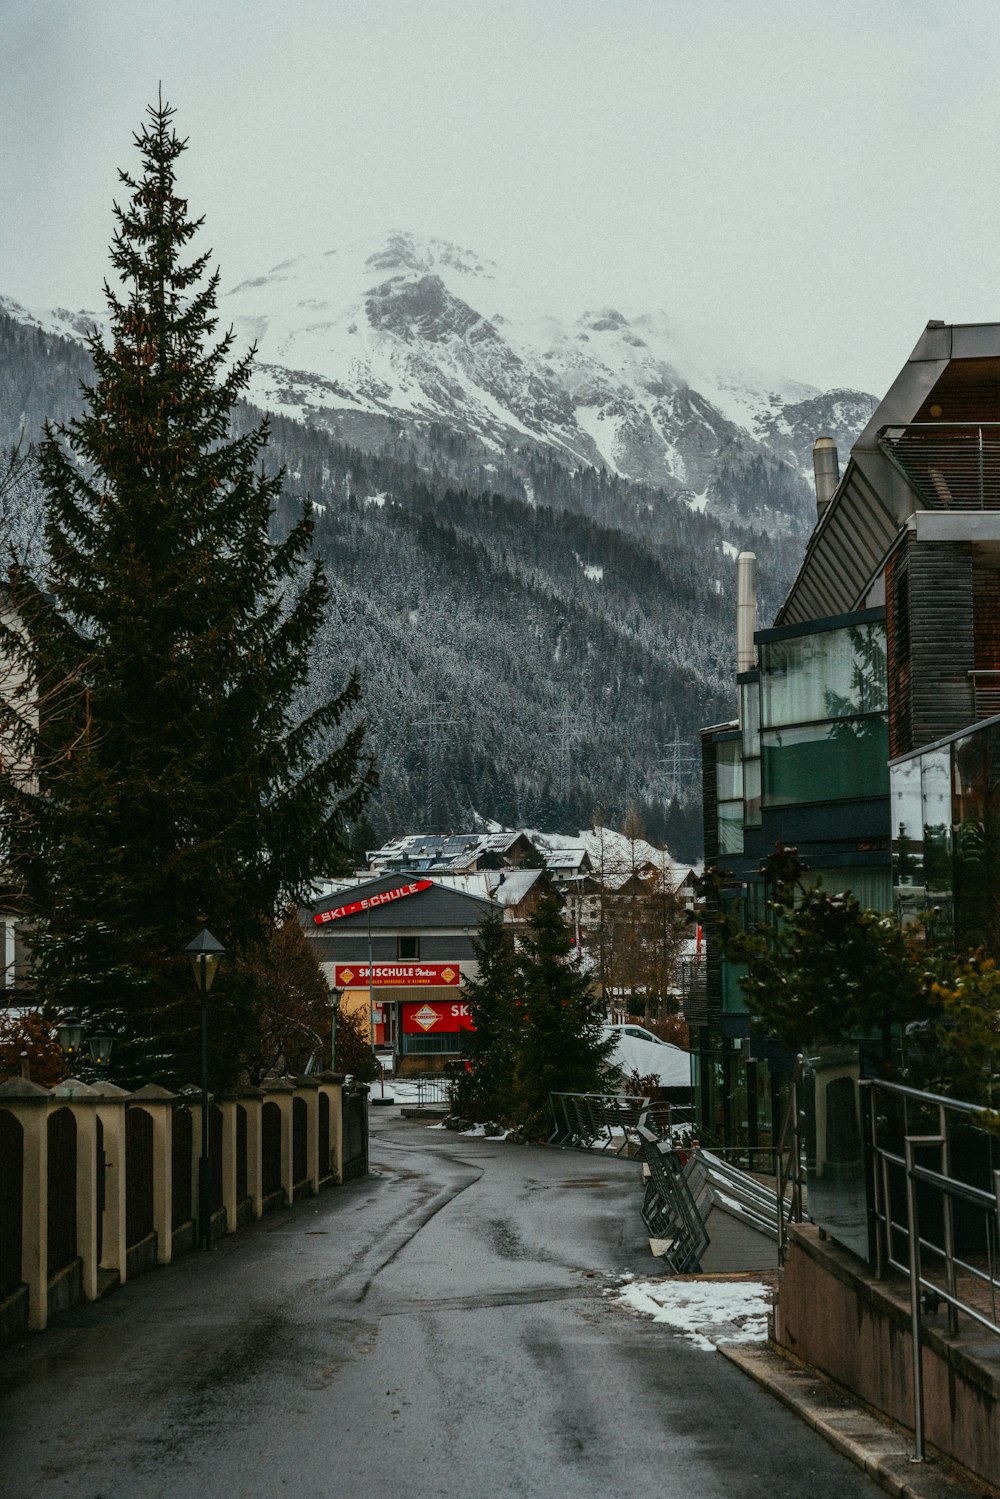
<point>931,639</point>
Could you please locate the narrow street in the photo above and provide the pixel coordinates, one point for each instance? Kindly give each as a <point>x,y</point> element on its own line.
<point>438,1329</point>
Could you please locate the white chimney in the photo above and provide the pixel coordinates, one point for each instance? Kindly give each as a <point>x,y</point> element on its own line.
<point>746,610</point>
<point>826,469</point>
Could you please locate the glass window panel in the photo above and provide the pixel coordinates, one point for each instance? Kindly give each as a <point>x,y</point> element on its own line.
<point>970,779</point>
<point>750,718</point>
<point>751,793</point>
<point>734,1001</point>
<point>729,770</point>
<point>935,794</point>
<point>871,888</point>
<point>825,762</point>
<point>835,674</point>
<point>907,823</point>
<point>731,827</point>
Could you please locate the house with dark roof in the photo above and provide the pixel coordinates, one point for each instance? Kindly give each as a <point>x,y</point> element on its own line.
<point>396,949</point>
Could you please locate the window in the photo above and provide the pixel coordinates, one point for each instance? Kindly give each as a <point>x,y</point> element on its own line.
<point>729,789</point>
<point>825,762</point>
<point>407,949</point>
<point>445,1042</point>
<point>832,674</point>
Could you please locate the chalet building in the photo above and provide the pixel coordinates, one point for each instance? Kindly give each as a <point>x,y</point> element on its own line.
<point>453,853</point>
<point>397,948</point>
<point>866,733</point>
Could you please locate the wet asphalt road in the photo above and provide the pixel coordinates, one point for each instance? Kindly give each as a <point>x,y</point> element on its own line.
<point>438,1329</point>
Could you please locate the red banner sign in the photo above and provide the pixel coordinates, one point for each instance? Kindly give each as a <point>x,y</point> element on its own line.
<point>369,902</point>
<point>421,1020</point>
<point>402,975</point>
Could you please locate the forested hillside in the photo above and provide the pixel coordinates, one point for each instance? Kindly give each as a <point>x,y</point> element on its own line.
<point>569,632</point>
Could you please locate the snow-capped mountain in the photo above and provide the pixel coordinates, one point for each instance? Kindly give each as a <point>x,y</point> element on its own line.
<point>417,330</point>
<point>411,331</point>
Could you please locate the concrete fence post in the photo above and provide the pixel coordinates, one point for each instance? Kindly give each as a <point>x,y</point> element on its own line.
<point>111,1112</point>
<point>336,1092</point>
<point>227,1107</point>
<point>252,1101</point>
<point>82,1101</point>
<point>159,1105</point>
<point>281,1092</point>
<point>308,1089</point>
<point>30,1106</point>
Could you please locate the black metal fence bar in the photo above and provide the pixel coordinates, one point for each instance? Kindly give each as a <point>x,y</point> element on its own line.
<point>605,1121</point>
<point>433,1091</point>
<point>669,1210</point>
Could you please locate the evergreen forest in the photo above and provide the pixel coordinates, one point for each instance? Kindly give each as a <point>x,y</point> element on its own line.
<point>535,642</point>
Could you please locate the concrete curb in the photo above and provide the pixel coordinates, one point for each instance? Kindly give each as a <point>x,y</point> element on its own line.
<point>880,1448</point>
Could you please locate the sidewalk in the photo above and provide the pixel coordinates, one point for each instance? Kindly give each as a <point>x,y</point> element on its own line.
<point>883,1450</point>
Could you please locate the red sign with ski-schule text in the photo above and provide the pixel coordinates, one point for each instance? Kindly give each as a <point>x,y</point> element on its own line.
<point>369,902</point>
<point>418,1020</point>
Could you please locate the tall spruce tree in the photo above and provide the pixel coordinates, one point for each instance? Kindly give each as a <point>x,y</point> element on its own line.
<point>174,782</point>
<point>561,1048</point>
<point>487,1090</point>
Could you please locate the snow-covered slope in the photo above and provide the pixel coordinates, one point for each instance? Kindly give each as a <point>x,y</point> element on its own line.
<point>419,330</point>
<point>412,331</point>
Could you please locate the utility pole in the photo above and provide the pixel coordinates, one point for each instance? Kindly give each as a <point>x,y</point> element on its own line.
<point>681,762</point>
<point>435,721</point>
<point>565,730</point>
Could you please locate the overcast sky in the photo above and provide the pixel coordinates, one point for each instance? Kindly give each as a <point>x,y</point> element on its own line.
<point>821,178</point>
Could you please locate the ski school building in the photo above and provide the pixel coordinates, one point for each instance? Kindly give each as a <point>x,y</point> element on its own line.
<point>402,947</point>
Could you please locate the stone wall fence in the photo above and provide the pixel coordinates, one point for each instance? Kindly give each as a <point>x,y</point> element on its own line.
<point>98,1184</point>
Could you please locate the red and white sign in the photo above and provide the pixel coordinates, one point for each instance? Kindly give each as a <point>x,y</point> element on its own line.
<point>369,902</point>
<point>431,1017</point>
<point>403,975</point>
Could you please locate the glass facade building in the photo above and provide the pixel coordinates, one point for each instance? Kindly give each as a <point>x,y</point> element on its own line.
<point>806,765</point>
<point>946,837</point>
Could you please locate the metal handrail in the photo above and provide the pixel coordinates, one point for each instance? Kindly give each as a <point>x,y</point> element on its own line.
<point>952,1189</point>
<point>789,1143</point>
<point>950,465</point>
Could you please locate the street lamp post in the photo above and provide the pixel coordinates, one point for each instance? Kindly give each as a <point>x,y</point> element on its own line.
<point>69,1035</point>
<point>206,953</point>
<point>100,1047</point>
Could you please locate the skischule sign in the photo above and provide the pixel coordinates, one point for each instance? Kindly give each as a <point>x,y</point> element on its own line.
<point>402,975</point>
<point>369,902</point>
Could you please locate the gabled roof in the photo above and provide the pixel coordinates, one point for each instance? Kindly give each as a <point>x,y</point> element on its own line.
<point>433,906</point>
<point>951,378</point>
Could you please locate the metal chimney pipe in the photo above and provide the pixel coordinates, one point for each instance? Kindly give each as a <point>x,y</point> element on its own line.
<point>826,468</point>
<point>746,610</point>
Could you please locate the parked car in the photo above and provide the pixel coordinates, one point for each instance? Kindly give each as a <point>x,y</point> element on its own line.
<point>638,1031</point>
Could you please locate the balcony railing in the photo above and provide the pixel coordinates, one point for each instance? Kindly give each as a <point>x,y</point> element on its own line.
<point>951,466</point>
<point>986,693</point>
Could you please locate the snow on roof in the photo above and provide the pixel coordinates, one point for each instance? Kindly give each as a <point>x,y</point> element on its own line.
<point>515,885</point>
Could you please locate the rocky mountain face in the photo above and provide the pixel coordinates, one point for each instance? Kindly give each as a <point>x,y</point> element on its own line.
<point>530,520</point>
<point>413,331</point>
<point>405,335</point>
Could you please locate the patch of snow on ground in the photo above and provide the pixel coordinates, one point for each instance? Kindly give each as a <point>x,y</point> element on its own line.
<point>706,1312</point>
<point>730,550</point>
